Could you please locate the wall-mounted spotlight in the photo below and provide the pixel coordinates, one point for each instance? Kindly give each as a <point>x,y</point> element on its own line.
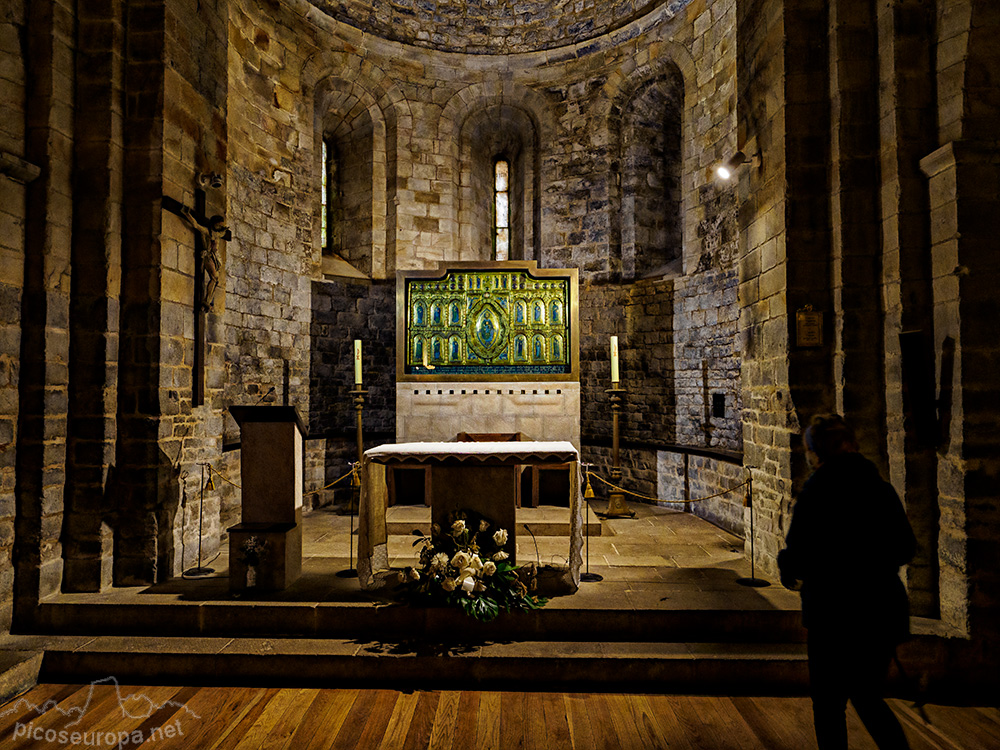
<point>728,168</point>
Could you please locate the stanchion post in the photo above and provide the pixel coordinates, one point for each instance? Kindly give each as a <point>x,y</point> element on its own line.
<point>753,581</point>
<point>588,577</point>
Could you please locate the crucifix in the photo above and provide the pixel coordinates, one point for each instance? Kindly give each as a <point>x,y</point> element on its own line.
<point>208,265</point>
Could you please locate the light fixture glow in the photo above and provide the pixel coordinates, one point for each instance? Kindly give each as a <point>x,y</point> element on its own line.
<point>728,168</point>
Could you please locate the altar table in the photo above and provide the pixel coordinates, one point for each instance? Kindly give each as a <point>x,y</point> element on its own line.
<point>477,476</point>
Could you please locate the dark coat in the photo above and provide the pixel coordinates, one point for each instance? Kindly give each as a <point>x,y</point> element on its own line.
<point>848,538</point>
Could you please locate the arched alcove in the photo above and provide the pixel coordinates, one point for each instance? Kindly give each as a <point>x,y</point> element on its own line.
<point>647,125</point>
<point>498,133</point>
<point>350,131</point>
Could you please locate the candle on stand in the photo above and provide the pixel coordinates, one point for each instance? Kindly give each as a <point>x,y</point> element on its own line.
<point>357,362</point>
<point>614,359</point>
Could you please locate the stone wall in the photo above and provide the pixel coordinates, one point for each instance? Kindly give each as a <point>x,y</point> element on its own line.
<point>489,28</point>
<point>12,244</point>
<point>704,485</point>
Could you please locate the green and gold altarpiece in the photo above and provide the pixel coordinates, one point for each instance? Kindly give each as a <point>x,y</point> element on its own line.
<point>493,321</point>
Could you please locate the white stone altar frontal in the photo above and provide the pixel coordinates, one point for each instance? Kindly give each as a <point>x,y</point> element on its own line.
<point>477,476</point>
<point>271,509</point>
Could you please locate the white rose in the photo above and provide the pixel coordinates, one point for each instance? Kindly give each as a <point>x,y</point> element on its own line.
<point>401,576</point>
<point>439,562</point>
<point>489,569</point>
<point>458,527</point>
<point>476,563</point>
<point>460,560</point>
<point>500,537</point>
<point>500,556</point>
<point>413,573</point>
<point>468,584</point>
<point>483,525</point>
<point>467,573</point>
<point>480,587</point>
<point>448,584</point>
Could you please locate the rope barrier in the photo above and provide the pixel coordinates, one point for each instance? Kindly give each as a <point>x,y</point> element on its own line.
<point>223,477</point>
<point>335,481</point>
<point>656,499</point>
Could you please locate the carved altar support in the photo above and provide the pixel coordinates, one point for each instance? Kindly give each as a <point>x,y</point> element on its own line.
<point>265,548</point>
<point>472,476</point>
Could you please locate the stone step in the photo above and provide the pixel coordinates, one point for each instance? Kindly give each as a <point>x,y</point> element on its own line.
<point>364,619</point>
<point>697,667</point>
<point>18,672</point>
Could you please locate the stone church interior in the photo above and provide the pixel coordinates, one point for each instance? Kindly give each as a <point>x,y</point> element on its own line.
<point>283,281</point>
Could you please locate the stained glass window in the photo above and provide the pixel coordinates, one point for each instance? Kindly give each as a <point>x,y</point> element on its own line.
<point>323,202</point>
<point>501,210</point>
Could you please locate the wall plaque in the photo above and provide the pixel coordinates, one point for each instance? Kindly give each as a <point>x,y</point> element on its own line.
<point>808,327</point>
<point>487,321</point>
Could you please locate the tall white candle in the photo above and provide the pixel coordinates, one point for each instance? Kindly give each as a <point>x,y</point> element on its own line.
<point>357,361</point>
<point>614,359</point>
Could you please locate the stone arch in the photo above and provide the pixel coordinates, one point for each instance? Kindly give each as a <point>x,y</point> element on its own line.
<point>479,123</point>
<point>670,66</point>
<point>359,103</point>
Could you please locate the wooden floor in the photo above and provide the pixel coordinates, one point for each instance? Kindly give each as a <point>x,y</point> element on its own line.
<point>164,718</point>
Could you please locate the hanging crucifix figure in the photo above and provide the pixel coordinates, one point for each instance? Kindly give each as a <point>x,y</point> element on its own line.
<point>208,268</point>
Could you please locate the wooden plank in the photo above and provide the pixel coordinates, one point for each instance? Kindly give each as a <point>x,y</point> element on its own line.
<point>556,723</point>
<point>466,722</point>
<point>399,722</point>
<point>85,709</point>
<point>353,724</point>
<point>379,713</point>
<point>646,724</point>
<point>601,725</point>
<point>419,734</point>
<point>700,723</point>
<point>488,729</point>
<point>32,705</point>
<point>443,728</point>
<point>662,712</point>
<point>512,720</point>
<point>581,734</point>
<point>535,732</point>
<point>157,713</point>
<point>323,719</point>
<point>778,723</point>
<point>231,736</point>
<point>623,721</point>
<point>218,709</point>
<point>284,727</point>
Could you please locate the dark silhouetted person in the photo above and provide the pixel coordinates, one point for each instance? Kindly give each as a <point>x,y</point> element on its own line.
<point>848,538</point>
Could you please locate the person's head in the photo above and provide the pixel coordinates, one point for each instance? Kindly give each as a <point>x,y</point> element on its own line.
<point>829,435</point>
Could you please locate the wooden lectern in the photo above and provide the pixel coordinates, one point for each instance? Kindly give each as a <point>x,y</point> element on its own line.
<point>265,548</point>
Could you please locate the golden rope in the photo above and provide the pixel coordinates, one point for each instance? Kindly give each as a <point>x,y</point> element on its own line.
<point>353,470</point>
<point>223,477</point>
<point>658,500</point>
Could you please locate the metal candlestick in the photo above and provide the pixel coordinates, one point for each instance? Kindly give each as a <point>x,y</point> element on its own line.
<point>617,508</point>
<point>359,407</point>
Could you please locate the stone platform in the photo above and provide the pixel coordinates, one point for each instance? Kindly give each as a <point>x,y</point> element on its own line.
<point>668,615</point>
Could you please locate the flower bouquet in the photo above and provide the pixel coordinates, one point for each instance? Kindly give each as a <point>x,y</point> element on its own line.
<point>466,566</point>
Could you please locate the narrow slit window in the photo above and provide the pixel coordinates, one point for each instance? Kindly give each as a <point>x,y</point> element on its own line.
<point>501,210</point>
<point>330,201</point>
<point>324,204</point>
